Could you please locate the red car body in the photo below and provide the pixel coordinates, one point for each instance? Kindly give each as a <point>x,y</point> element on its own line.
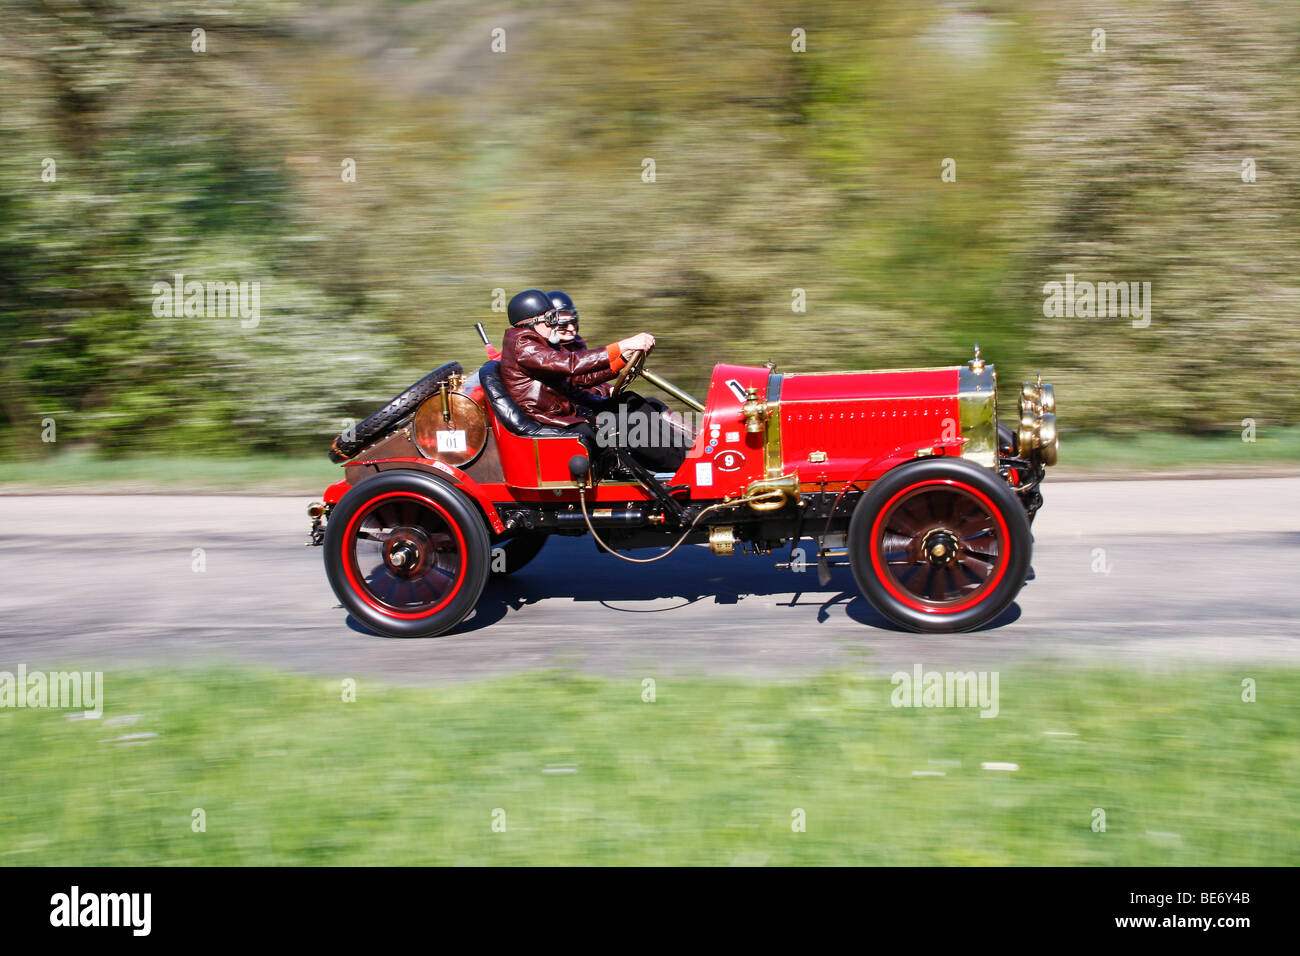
<point>906,473</point>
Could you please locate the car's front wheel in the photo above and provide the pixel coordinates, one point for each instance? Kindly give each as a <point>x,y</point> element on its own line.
<point>407,553</point>
<point>940,545</point>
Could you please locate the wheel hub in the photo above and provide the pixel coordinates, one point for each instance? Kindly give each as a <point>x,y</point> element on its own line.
<point>406,552</point>
<point>940,547</point>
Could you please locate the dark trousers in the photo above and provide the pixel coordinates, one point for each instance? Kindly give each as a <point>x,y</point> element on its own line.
<point>644,427</point>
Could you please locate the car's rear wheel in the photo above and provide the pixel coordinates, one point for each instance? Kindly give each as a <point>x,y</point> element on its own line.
<point>407,554</point>
<point>513,553</point>
<point>940,545</point>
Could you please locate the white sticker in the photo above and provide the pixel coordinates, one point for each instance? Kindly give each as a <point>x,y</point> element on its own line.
<point>703,473</point>
<point>733,436</point>
<point>451,441</point>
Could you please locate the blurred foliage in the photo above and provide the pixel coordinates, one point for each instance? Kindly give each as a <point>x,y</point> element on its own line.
<point>775,170</point>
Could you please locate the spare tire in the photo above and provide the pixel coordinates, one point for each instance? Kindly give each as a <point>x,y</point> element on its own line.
<point>382,422</point>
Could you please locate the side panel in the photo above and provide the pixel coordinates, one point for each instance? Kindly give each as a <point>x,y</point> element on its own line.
<point>725,459</point>
<point>831,425</point>
<point>535,462</point>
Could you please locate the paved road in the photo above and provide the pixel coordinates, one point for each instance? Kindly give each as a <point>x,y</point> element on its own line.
<point>1194,571</point>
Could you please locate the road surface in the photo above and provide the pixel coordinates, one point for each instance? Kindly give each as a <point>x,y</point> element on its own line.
<point>1145,573</point>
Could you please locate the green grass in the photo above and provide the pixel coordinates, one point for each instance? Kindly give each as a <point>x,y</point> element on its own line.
<point>83,471</point>
<point>1157,451</point>
<point>309,474</point>
<point>709,773</point>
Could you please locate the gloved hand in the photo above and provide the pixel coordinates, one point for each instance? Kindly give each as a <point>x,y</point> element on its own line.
<point>641,342</point>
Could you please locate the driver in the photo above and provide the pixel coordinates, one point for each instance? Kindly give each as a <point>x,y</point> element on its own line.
<point>540,375</point>
<point>654,434</point>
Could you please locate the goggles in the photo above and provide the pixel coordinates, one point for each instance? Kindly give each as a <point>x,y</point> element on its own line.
<point>559,319</point>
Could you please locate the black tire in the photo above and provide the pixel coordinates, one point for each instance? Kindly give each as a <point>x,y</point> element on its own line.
<point>382,422</point>
<point>407,553</point>
<point>518,550</point>
<point>940,545</point>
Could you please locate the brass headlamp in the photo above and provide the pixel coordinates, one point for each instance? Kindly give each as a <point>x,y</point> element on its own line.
<point>1038,420</point>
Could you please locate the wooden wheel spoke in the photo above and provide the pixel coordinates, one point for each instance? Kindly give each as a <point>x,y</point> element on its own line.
<point>975,527</point>
<point>448,573</point>
<point>434,593</point>
<point>974,577</point>
<point>951,580</point>
<point>913,522</point>
<point>975,564</point>
<point>392,585</point>
<point>928,591</point>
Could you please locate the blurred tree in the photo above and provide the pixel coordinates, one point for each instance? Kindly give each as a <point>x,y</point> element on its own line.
<point>776,169</point>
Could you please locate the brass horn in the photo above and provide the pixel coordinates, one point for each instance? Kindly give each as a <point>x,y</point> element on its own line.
<point>772,494</point>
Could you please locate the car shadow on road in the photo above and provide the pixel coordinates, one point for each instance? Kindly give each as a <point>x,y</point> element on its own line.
<point>567,569</point>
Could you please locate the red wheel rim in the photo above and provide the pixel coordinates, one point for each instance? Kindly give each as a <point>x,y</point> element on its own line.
<point>940,546</point>
<point>404,555</point>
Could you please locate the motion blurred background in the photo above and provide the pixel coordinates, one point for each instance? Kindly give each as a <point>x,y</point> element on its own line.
<point>798,157</point>
<point>774,170</point>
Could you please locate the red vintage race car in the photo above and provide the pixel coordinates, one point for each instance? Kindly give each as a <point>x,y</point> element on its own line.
<point>904,474</point>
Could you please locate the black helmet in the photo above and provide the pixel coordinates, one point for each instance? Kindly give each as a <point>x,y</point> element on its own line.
<point>528,306</point>
<point>565,310</point>
<point>561,302</point>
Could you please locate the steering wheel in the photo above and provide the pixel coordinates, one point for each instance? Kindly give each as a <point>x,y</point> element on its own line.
<point>636,362</point>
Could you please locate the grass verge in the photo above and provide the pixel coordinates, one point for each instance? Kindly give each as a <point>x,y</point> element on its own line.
<point>582,770</point>
<point>84,472</point>
<point>1158,451</point>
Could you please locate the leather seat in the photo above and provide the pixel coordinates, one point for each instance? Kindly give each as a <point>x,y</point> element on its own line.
<point>511,416</point>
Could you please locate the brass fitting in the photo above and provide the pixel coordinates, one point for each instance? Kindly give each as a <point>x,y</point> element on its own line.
<point>722,540</point>
<point>755,412</point>
<point>773,494</point>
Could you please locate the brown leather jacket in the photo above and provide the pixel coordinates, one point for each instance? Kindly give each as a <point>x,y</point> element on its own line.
<point>540,377</point>
<point>588,389</point>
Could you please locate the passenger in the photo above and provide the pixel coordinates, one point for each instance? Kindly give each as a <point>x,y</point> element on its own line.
<point>540,375</point>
